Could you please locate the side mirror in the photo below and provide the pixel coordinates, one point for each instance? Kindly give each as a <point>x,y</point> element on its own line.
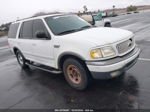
<point>41,34</point>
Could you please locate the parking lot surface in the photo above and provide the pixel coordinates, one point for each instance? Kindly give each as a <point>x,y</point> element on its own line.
<point>36,89</point>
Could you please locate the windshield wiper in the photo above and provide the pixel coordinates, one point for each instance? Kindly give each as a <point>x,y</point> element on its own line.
<point>74,30</point>
<point>68,31</point>
<point>85,27</point>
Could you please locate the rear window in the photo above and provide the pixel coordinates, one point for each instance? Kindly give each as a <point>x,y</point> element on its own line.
<point>13,30</point>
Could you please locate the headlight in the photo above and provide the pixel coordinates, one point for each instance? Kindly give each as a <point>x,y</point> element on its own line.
<point>108,51</point>
<point>102,52</point>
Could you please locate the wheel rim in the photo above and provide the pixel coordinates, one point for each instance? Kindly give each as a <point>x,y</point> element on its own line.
<point>74,74</point>
<point>20,59</point>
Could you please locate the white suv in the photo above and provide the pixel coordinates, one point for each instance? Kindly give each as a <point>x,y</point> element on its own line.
<point>66,43</point>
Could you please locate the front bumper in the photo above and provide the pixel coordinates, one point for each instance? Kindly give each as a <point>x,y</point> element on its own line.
<point>113,67</point>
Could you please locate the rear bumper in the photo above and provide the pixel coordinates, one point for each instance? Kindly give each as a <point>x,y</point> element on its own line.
<point>113,67</point>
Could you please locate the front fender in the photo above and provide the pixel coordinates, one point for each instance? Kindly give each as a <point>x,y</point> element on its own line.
<point>68,53</point>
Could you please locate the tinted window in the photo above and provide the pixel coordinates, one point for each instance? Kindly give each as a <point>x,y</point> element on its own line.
<point>26,30</point>
<point>38,25</point>
<point>13,30</point>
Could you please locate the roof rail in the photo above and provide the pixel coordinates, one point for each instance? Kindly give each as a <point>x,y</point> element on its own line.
<point>41,15</point>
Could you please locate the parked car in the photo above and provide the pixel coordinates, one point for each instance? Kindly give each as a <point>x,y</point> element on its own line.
<point>136,12</point>
<point>112,15</point>
<point>100,21</point>
<point>96,20</point>
<point>66,43</point>
<point>129,12</point>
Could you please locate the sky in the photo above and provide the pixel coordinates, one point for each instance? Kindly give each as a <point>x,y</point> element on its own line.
<point>11,10</point>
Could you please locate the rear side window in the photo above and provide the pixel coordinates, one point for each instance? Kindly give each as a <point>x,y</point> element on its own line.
<point>13,30</point>
<point>26,30</point>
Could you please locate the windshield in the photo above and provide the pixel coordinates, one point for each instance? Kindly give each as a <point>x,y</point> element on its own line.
<point>66,24</point>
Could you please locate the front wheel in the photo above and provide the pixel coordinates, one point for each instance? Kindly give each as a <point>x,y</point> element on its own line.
<point>21,60</point>
<point>76,74</point>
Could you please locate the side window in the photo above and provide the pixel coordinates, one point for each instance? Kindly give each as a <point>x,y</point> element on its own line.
<point>38,26</point>
<point>26,30</point>
<point>13,30</point>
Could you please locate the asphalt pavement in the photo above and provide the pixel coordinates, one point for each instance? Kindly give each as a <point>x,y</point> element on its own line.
<point>36,89</point>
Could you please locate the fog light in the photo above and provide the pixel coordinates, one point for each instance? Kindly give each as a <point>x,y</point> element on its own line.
<point>114,74</point>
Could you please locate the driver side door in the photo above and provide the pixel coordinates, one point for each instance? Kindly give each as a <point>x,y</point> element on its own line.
<point>42,47</point>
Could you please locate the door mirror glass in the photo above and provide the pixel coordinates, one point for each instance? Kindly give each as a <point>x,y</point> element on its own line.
<point>41,34</point>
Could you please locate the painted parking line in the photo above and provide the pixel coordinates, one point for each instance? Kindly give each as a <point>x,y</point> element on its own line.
<point>144,59</point>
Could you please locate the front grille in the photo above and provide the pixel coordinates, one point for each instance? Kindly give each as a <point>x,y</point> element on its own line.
<point>125,46</point>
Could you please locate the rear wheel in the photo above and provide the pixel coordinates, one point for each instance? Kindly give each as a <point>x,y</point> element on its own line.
<point>76,74</point>
<point>21,59</point>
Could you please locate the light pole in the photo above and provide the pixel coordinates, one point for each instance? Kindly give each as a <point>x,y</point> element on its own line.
<point>114,10</point>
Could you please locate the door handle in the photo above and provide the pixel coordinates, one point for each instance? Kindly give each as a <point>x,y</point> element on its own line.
<point>56,46</point>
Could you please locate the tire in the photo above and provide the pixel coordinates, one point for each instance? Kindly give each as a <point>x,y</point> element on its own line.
<point>21,60</point>
<point>76,74</point>
<point>107,25</point>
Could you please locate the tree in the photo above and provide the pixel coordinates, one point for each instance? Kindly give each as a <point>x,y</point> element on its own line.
<point>85,8</point>
<point>114,6</point>
<point>114,9</point>
<point>131,8</point>
<point>5,27</point>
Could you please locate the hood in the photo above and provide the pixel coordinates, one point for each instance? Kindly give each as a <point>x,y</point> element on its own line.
<point>100,35</point>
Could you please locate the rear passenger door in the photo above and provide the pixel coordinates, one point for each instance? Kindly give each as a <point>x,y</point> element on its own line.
<point>25,40</point>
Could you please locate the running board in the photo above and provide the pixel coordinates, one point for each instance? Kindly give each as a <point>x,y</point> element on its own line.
<point>45,68</point>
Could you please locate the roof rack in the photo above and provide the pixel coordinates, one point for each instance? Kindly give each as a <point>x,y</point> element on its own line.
<point>42,15</point>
